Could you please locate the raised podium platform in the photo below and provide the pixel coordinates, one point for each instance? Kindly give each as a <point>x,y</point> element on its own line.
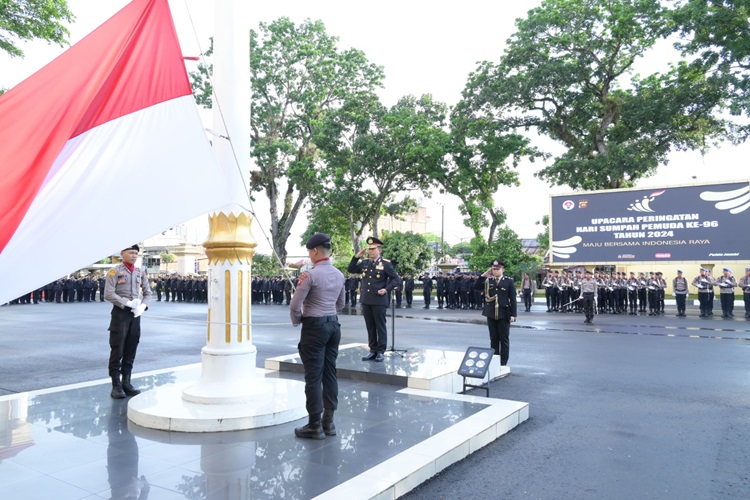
<point>426,369</point>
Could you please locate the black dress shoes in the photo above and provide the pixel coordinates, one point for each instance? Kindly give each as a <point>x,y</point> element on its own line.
<point>369,357</point>
<point>379,357</point>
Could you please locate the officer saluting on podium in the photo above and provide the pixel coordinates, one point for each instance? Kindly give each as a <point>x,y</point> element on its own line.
<point>378,279</point>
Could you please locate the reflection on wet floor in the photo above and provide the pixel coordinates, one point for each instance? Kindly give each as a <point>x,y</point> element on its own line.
<point>78,443</point>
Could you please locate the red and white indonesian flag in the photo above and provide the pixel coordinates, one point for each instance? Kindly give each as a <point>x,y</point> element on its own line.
<point>101,148</point>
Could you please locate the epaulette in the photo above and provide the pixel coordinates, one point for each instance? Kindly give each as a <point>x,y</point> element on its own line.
<point>386,260</point>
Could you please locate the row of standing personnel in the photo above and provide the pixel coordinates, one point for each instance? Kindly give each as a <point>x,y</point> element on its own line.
<point>65,290</point>
<point>618,293</point>
<point>454,291</point>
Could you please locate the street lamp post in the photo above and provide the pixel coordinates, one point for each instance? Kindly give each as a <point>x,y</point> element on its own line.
<point>442,231</point>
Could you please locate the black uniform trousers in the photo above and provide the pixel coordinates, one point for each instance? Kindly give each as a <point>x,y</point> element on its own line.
<point>704,299</point>
<point>727,303</point>
<point>680,298</point>
<point>124,335</point>
<point>588,305</point>
<point>633,300</point>
<point>527,298</point>
<point>318,349</point>
<point>377,334</point>
<point>500,337</point>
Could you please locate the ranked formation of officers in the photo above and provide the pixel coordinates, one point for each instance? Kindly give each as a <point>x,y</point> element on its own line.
<point>628,293</point>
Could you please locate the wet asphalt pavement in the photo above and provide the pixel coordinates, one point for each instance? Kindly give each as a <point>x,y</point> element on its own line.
<point>628,407</point>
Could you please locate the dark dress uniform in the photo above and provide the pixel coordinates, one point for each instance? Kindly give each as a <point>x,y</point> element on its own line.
<point>440,285</point>
<point>426,290</point>
<point>409,290</point>
<point>499,306</point>
<point>353,290</point>
<point>376,274</point>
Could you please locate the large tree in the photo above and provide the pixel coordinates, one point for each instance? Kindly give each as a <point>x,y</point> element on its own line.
<point>568,73</point>
<point>299,76</point>
<point>327,219</point>
<point>409,252</point>
<point>507,247</point>
<point>373,154</point>
<point>718,33</point>
<point>24,20</point>
<point>484,155</point>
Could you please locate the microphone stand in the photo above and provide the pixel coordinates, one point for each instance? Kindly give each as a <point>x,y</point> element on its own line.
<point>400,352</point>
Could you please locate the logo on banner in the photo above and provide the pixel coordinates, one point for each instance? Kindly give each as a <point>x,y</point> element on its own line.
<point>583,204</point>
<point>736,200</point>
<point>644,204</point>
<point>568,205</point>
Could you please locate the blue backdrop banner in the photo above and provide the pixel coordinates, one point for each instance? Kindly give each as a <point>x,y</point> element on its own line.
<point>702,223</point>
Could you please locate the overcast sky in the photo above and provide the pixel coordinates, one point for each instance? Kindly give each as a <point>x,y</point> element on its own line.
<point>425,47</point>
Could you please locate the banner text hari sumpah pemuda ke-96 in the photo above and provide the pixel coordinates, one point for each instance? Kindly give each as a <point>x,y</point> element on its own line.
<point>703,223</point>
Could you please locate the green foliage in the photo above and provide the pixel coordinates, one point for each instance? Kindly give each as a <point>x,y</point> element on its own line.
<point>167,258</point>
<point>532,265</point>
<point>485,154</point>
<point>543,237</point>
<point>266,266</point>
<point>372,153</point>
<point>506,247</point>
<point>718,33</point>
<point>299,77</point>
<point>326,219</point>
<point>566,73</point>
<point>24,20</point>
<point>409,252</point>
<point>463,248</point>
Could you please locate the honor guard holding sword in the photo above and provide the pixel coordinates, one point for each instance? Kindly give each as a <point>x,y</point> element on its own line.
<point>499,307</point>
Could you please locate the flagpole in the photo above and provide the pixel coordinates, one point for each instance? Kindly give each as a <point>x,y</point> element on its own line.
<point>229,357</point>
<point>230,393</point>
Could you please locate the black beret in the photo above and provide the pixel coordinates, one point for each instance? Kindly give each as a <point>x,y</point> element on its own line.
<point>134,247</point>
<point>588,272</point>
<point>373,241</point>
<point>318,239</point>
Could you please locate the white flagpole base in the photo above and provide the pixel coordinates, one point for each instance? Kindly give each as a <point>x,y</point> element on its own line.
<point>164,408</point>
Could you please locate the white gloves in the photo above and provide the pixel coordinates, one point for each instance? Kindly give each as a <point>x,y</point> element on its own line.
<point>139,310</point>
<point>133,303</point>
<point>699,286</point>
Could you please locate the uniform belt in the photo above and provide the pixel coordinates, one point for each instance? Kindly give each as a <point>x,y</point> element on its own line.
<point>319,320</point>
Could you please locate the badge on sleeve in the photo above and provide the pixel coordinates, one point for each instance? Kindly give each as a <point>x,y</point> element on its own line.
<point>111,272</point>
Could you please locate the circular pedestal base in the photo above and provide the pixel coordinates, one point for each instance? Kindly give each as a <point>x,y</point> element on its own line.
<point>227,378</point>
<point>164,408</point>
